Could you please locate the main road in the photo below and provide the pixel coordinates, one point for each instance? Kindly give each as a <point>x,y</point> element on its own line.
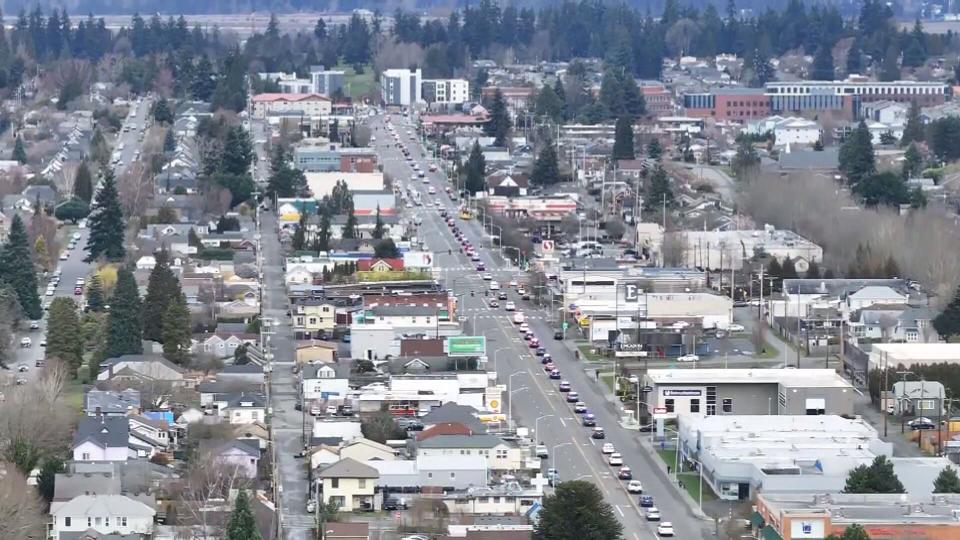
<point>574,453</point>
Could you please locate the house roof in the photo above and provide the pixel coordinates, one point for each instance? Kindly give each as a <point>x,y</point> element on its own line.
<point>236,369</point>
<point>238,401</point>
<point>104,505</point>
<point>461,441</point>
<point>452,412</point>
<point>348,468</point>
<point>106,432</point>
<point>372,444</point>
<point>91,534</point>
<point>69,485</point>
<point>874,292</point>
<point>221,447</point>
<point>367,264</point>
<point>275,97</point>
<point>109,401</point>
<point>446,428</point>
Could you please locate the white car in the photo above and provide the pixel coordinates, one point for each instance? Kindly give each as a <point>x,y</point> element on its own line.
<point>64,256</point>
<point>665,529</point>
<point>653,514</point>
<point>524,328</point>
<point>607,448</point>
<point>615,460</point>
<point>25,342</point>
<point>51,291</point>
<point>688,358</point>
<point>736,328</point>
<point>487,277</point>
<point>634,486</point>
<point>494,286</point>
<point>76,236</point>
<point>510,306</point>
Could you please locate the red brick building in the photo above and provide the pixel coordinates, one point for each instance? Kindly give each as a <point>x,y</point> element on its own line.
<point>659,100</point>
<point>728,104</point>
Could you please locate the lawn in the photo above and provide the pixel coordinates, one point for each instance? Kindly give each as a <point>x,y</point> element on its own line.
<point>73,395</point>
<point>586,352</point>
<point>691,482</point>
<point>357,86</point>
<point>607,379</point>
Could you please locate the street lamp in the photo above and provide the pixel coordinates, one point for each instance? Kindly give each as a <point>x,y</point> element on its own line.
<point>536,424</point>
<point>553,453</point>
<point>510,396</point>
<point>495,353</point>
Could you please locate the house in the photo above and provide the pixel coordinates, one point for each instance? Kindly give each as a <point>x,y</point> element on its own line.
<point>111,403</point>
<point>874,294</point>
<point>323,455</point>
<point>314,317</point>
<point>104,514</point>
<point>223,345</point>
<point>316,352</point>
<point>326,381</point>
<point>380,265</point>
<point>101,439</point>
<point>499,454</point>
<point>452,472</point>
<point>796,131</point>
<point>244,409</point>
<point>347,531</point>
<point>898,323</point>
<point>238,456</point>
<point>364,449</point>
<point>153,432</point>
<point>242,373</point>
<point>255,434</point>
<point>451,412</point>
<point>508,184</point>
<point>141,368</point>
<point>349,484</point>
<point>215,393</point>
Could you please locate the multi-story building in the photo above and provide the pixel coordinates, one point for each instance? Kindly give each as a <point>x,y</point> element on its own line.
<point>728,104</point>
<point>326,81</point>
<point>445,91</point>
<point>659,100</point>
<point>333,158</point>
<point>303,105</point>
<point>296,86</point>
<point>847,96</point>
<point>400,87</point>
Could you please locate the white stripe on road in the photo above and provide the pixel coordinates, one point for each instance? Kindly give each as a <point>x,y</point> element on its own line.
<point>620,511</point>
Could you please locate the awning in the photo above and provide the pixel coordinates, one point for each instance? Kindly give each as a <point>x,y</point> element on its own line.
<point>756,520</point>
<point>769,533</point>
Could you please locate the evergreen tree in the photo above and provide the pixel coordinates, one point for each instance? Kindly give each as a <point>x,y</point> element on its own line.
<point>660,193</point>
<point>378,227</point>
<point>64,335</point>
<point>813,270</point>
<point>124,329</point>
<point>176,331</point>
<point>324,234</point>
<point>546,171</point>
<point>498,126</point>
<point>912,162</point>
<point>947,323</point>
<point>789,270</point>
<point>562,98</point>
<point>890,67</point>
<point>654,149</point>
<point>19,152</point>
<point>774,269</point>
<point>350,227</point>
<point>106,223</point>
<point>386,249</point>
<point>237,152</point>
<point>169,142</point>
<point>83,183</point>
<point>161,287</point>
<point>760,70</point>
<point>623,139</point>
<point>243,524</point>
<point>915,47</point>
<point>162,114</point>
<point>476,170</point>
<point>746,161</point>
<point>854,58</point>
<point>548,104</point>
<point>203,82</point>
<point>878,477</point>
<point>577,509</point>
<point>16,269</point>
<point>856,158</point>
<point>822,69</point>
<point>947,481</point>
<point>95,299</point>
<point>300,235</point>
<point>285,181</point>
<point>913,130</point>
<point>46,480</point>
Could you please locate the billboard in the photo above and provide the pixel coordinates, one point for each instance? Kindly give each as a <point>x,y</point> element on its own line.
<point>465,346</point>
<point>418,259</point>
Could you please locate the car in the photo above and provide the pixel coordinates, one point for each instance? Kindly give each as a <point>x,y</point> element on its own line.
<point>51,292</point>
<point>34,325</point>
<point>665,529</point>
<point>579,407</point>
<point>558,335</point>
<point>564,386</point>
<point>634,486</point>
<point>524,327</point>
<point>26,342</point>
<point>625,473</point>
<point>513,284</point>
<point>573,397</point>
<point>588,419</point>
<point>534,343</point>
<point>555,374</point>
<point>549,367</point>
<point>510,306</point>
<point>494,304</point>
<point>541,451</point>
<point>653,513</point>
<point>40,362</point>
<point>521,291</point>
<point>394,503</point>
<point>598,433</point>
<point>736,328</point>
<point>488,277</point>
<point>494,286</point>
<point>525,296</point>
<point>540,351</point>
<point>331,409</point>
<point>921,424</point>
<point>43,342</point>
<point>22,368</point>
<point>607,448</point>
<point>21,381</point>
<point>688,358</point>
<point>64,256</point>
<point>646,501</point>
<point>553,476</point>
<point>502,295</point>
<point>431,190</point>
<point>528,335</point>
<point>615,459</point>
<point>475,257</point>
<point>546,358</point>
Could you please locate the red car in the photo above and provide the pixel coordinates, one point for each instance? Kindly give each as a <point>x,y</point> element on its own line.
<point>548,367</point>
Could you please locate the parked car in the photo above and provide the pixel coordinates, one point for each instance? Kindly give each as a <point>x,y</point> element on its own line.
<point>665,529</point>
<point>26,342</point>
<point>688,358</point>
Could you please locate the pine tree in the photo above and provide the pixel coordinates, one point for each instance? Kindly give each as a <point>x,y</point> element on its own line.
<point>856,158</point>
<point>854,58</point>
<point>19,153</point>
<point>476,170</point>
<point>913,130</point>
<point>498,126</point>
<point>300,235</point>
<point>46,480</point>
<point>548,104</point>
<point>654,150</point>
<point>16,269</point>
<point>890,68</point>
<point>324,234</point>
<point>546,171</point>
<point>822,69</point>
<point>161,287</point>
<point>124,327</point>
<point>623,139</point>
<point>169,142</point>
<point>947,481</point>
<point>83,183</point>
<point>162,113</point>
<point>242,524</point>
<point>95,300</point>
<point>813,270</point>
<point>660,193</point>
<point>561,94</point>
<point>350,227</point>
<point>176,331</point>
<point>378,227</point>
<point>64,335</point>
<point>789,270</point>
<point>912,162</point>
<point>878,477</point>
<point>106,223</point>
<point>947,323</point>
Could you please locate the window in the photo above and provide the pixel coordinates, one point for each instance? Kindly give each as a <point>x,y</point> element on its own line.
<point>711,409</point>
<point>106,521</point>
<point>501,454</point>
<point>816,406</point>
<point>727,405</point>
<point>335,483</point>
<point>668,403</point>
<point>453,475</point>
<point>89,521</point>
<point>98,521</point>
<point>362,483</point>
<point>85,456</point>
<point>66,521</point>
<point>694,405</point>
<point>429,475</point>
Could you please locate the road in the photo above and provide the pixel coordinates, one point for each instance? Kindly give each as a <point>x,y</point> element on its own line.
<point>576,455</point>
<point>722,183</point>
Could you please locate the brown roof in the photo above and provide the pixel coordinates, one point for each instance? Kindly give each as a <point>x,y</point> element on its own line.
<point>426,299</point>
<point>347,530</point>
<point>446,428</point>
<point>421,347</point>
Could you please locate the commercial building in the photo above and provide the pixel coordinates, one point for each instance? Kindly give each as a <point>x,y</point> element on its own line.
<point>303,105</point>
<point>445,91</point>
<point>719,392</point>
<point>322,183</point>
<point>884,516</point>
<point>723,250</point>
<point>400,87</point>
<point>848,96</point>
<point>728,104</point>
<point>907,355</point>
<point>295,86</point>
<point>333,157</point>
<point>325,81</point>
<point>658,98</point>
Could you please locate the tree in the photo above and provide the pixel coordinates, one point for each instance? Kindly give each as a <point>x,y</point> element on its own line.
<point>19,153</point>
<point>476,170</point>
<point>947,481</point>
<point>878,477</point>
<point>889,68</point>
<point>124,329</point>
<point>72,210</point>
<point>322,241</point>
<point>746,161</point>
<point>912,162</point>
<point>854,58</point>
<point>237,152</point>
<point>854,531</point>
<point>381,427</point>
<point>169,142</point>
<point>40,253</point>
<point>95,300</point>
<point>623,139</point>
<point>386,249</point>
<point>822,69</point>
<point>760,69</point>
<point>947,323</point>
<point>350,227</point>
<point>285,181</point>
<point>915,48</point>
<point>660,193</point>
<point>813,270</point>
<point>576,510</point>
<point>300,235</point>
<point>162,286</point>
<point>47,477</point>
<point>546,171</point>
<point>856,157</point>
<point>886,188</point>
<point>106,223</point>
<point>16,269</point>
<point>83,183</point>
<point>654,149</point>
<point>162,114</point>
<point>176,331</point>
<point>498,126</point>
<point>64,333</point>
<point>913,130</point>
<point>378,227</point>
<point>22,512</point>
<point>789,270</point>
<point>242,524</point>
<point>548,104</point>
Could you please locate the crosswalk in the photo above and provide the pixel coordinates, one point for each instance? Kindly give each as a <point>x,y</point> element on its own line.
<point>298,521</point>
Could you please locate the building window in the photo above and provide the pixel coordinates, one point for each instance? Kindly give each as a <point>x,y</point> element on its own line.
<point>89,522</point>
<point>711,409</point>
<point>453,475</point>
<point>362,483</point>
<point>816,406</point>
<point>335,483</point>
<point>501,454</point>
<point>66,521</point>
<point>106,521</point>
<point>694,405</point>
<point>123,521</point>
<point>668,403</point>
<point>727,405</point>
<point>85,456</point>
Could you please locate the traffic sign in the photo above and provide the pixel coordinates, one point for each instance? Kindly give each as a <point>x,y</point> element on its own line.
<point>647,389</point>
<point>565,325</point>
<point>466,346</point>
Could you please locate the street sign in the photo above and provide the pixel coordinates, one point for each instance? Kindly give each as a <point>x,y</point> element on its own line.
<point>647,389</point>
<point>565,325</point>
<point>465,346</point>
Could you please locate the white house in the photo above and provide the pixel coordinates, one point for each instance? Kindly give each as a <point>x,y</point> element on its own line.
<point>325,381</point>
<point>234,455</point>
<point>500,455</point>
<point>874,294</point>
<point>102,439</point>
<point>106,514</point>
<point>796,131</point>
<point>244,409</point>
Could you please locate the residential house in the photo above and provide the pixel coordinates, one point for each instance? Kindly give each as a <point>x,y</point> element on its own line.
<point>500,455</point>
<point>364,450</point>
<point>238,456</point>
<point>255,434</point>
<point>451,412</point>
<point>102,439</point>
<point>508,184</point>
<point>452,472</point>
<point>154,432</point>
<point>215,393</point>
<point>326,381</point>
<point>141,368</point>
<point>104,514</point>
<point>897,323</point>
<point>349,484</point>
<point>313,317</point>
<point>797,131</point>
<point>323,455</point>
<point>870,295</point>
<point>317,352</point>
<point>244,409</point>
<point>111,403</point>
<point>223,345</point>
<point>380,265</point>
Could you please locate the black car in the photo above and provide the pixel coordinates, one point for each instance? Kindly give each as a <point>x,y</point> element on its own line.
<point>558,335</point>
<point>391,503</point>
<point>501,295</point>
<point>646,501</point>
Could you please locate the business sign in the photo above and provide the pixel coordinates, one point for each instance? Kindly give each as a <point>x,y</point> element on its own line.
<point>547,246</point>
<point>659,410</point>
<point>465,346</point>
<point>631,293</point>
<point>801,528</point>
<point>418,259</point>
<point>682,392</point>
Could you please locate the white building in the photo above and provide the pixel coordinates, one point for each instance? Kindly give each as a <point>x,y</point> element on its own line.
<point>796,131</point>
<point>106,514</point>
<point>400,87</point>
<point>322,183</point>
<point>445,91</point>
<point>305,105</point>
<point>912,354</point>
<point>717,250</point>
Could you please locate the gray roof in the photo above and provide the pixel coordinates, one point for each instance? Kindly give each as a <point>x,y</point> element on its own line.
<point>219,447</point>
<point>236,401</point>
<point>451,412</point>
<point>109,401</point>
<point>839,287</point>
<point>91,534</point>
<point>238,369</point>
<point>226,387</point>
<point>461,441</point>
<point>348,468</point>
<point>106,432</point>
<point>391,311</point>
<point>68,486</point>
<point>827,159</point>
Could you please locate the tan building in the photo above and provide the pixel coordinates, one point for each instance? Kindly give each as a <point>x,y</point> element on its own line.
<point>316,352</point>
<point>306,105</point>
<point>313,318</point>
<point>365,450</point>
<point>349,484</point>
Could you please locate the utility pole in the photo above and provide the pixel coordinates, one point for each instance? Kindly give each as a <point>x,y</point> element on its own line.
<point>760,305</point>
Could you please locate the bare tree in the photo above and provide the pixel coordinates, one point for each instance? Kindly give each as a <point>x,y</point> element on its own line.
<point>22,512</point>
<point>673,251</point>
<point>135,187</point>
<point>391,54</point>
<point>203,496</point>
